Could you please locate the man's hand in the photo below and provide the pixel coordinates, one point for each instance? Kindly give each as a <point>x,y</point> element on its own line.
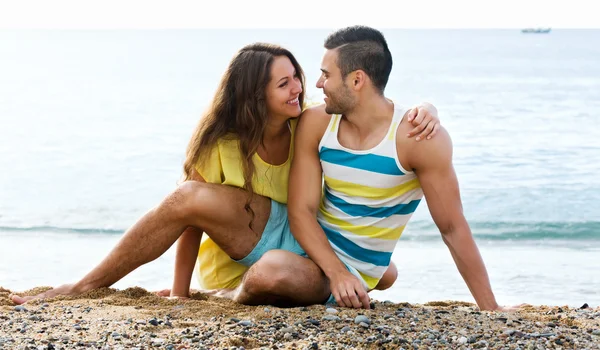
<point>425,121</point>
<point>348,291</point>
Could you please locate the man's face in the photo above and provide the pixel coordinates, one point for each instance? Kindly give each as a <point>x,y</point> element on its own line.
<point>339,97</point>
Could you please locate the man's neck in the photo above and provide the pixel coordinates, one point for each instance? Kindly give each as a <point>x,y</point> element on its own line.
<point>370,112</point>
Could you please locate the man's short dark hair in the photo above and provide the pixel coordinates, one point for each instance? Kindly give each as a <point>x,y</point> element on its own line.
<point>364,48</point>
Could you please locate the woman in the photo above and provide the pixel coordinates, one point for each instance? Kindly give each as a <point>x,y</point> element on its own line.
<point>243,141</point>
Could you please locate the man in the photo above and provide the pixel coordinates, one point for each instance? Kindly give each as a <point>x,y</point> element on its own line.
<point>374,177</point>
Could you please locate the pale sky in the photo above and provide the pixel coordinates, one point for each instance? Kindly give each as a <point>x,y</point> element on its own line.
<point>152,14</point>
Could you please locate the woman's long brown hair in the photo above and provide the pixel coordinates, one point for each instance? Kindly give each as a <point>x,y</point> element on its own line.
<point>239,109</point>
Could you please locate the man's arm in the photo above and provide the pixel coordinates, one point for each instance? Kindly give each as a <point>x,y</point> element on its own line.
<point>432,162</point>
<point>303,202</point>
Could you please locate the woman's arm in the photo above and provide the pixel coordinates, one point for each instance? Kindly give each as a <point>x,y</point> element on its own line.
<point>185,258</point>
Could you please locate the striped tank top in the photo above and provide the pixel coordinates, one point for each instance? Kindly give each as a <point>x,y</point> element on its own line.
<point>367,201</point>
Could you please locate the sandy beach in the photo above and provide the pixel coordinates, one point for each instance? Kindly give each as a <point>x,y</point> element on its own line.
<point>137,319</point>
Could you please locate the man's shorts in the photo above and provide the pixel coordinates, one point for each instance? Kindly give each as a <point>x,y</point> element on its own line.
<point>277,235</point>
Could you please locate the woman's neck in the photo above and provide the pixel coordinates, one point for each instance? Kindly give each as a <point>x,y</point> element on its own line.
<point>275,130</point>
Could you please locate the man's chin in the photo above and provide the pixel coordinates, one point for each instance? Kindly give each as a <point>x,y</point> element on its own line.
<point>331,110</point>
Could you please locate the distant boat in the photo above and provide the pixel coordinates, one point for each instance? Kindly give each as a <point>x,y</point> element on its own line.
<point>536,30</point>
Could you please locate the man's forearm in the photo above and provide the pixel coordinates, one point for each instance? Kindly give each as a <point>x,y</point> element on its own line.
<point>312,239</point>
<point>470,265</point>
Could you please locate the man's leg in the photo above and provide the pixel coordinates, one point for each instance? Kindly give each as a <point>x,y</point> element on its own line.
<point>388,278</point>
<point>280,278</point>
<point>215,209</point>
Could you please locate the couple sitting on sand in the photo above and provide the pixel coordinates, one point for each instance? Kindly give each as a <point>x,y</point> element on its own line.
<point>349,171</point>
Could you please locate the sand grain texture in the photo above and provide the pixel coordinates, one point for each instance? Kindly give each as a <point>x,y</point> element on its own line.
<point>136,319</point>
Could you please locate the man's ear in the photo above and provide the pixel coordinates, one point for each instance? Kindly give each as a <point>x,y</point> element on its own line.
<point>359,79</point>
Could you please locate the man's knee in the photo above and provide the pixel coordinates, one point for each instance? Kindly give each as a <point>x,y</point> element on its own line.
<point>269,274</point>
<point>388,279</point>
<point>184,201</point>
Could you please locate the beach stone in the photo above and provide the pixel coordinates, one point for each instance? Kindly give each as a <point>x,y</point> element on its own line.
<point>331,318</point>
<point>462,340</point>
<point>364,325</point>
<point>20,308</point>
<point>314,322</point>
<point>246,323</point>
<point>509,332</point>
<point>596,332</point>
<point>287,330</point>
<point>153,321</point>
<point>77,327</point>
<point>267,309</point>
<point>346,329</point>
<point>362,318</point>
<point>482,344</point>
<point>331,310</point>
<point>288,336</point>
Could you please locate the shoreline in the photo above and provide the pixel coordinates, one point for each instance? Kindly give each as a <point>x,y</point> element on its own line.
<point>136,319</point>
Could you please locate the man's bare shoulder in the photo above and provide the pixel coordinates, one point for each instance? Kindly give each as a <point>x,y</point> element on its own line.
<point>315,118</point>
<point>317,111</point>
<point>418,154</point>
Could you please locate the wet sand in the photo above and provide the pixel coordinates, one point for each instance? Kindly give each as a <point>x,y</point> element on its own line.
<point>136,319</point>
